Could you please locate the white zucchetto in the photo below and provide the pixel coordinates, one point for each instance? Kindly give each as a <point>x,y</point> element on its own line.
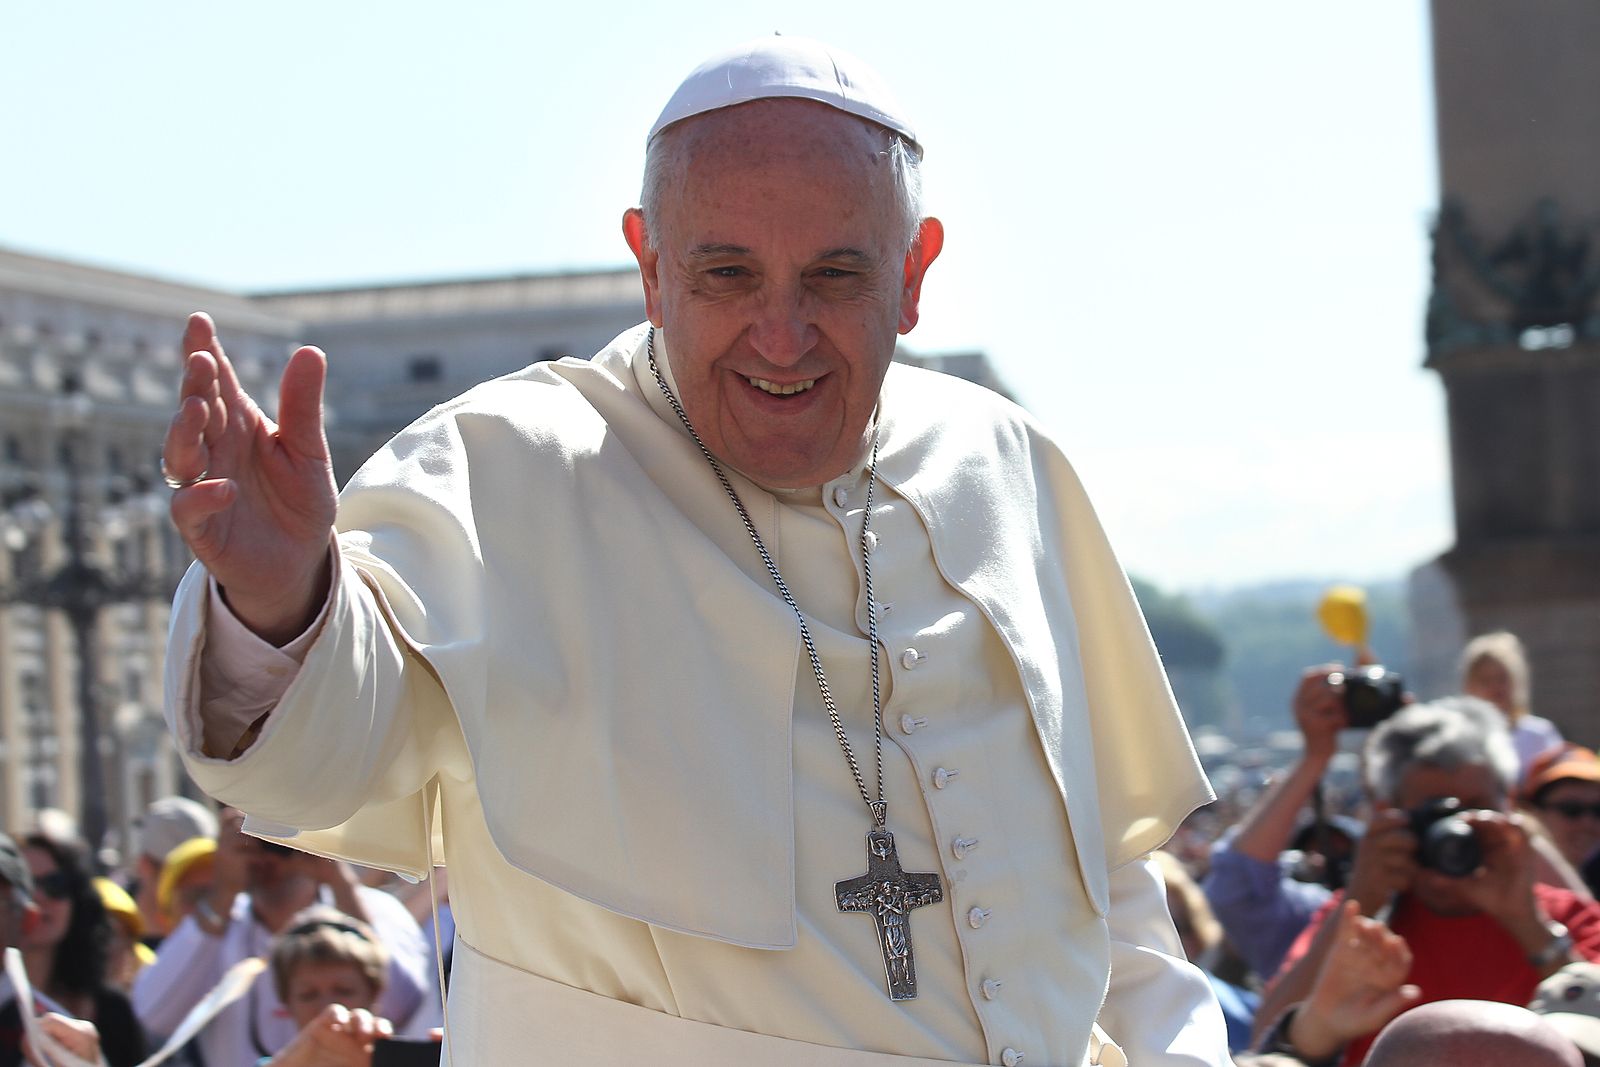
<point>776,66</point>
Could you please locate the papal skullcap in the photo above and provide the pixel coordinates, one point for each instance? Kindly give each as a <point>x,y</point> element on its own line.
<point>771,67</point>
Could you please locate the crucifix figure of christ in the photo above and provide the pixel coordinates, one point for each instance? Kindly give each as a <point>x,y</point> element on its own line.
<point>889,894</point>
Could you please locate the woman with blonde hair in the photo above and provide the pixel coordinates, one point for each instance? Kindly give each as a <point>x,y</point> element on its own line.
<point>1495,668</point>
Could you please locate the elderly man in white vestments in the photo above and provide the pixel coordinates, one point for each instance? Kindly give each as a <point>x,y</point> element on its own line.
<point>767,703</point>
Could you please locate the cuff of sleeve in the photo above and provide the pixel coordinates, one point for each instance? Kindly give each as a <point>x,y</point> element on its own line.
<point>242,677</point>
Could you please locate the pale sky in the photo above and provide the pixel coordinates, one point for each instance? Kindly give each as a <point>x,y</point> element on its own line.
<point>1193,236</point>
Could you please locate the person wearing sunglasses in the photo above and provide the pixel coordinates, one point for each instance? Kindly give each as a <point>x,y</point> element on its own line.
<point>67,951</point>
<point>1562,789</point>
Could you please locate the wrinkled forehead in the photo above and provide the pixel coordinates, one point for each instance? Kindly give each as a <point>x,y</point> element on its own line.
<point>789,163</point>
<point>790,132</point>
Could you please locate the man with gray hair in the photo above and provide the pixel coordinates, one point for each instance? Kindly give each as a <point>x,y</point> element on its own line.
<point>631,632</point>
<point>1449,868</point>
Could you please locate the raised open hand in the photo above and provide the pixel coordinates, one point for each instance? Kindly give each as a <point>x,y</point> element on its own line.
<point>259,509</point>
<point>1361,985</point>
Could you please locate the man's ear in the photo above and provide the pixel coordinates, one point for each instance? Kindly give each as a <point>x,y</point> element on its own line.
<point>924,250</point>
<point>638,238</point>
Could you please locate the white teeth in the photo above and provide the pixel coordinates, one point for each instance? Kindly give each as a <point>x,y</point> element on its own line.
<point>781,390</point>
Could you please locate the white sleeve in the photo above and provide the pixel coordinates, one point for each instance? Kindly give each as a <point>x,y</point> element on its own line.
<point>1160,1008</point>
<point>187,966</point>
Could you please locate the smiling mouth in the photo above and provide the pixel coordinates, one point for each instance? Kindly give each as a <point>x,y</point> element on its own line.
<point>776,389</point>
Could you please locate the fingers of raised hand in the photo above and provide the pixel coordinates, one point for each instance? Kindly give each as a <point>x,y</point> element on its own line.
<point>198,420</point>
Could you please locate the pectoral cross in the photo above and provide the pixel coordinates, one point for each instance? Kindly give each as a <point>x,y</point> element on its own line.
<point>889,894</point>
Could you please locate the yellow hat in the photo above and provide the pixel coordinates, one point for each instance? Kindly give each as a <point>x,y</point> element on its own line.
<point>180,861</point>
<point>120,906</point>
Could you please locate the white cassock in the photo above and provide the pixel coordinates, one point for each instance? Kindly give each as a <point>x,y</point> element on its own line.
<point>548,616</point>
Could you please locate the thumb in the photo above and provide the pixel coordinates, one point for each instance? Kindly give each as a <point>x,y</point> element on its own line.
<point>300,403</point>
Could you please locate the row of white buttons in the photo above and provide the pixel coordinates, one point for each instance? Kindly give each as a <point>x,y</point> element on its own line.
<point>942,776</point>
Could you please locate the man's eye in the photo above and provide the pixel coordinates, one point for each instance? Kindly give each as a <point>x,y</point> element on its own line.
<point>836,272</point>
<point>726,272</point>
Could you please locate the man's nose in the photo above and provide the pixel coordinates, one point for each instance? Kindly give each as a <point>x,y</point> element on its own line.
<point>783,331</point>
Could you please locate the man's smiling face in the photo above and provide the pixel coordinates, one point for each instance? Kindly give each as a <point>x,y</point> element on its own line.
<point>779,276</point>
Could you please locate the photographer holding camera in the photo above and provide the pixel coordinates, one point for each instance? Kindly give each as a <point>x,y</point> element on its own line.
<point>1262,906</point>
<point>1449,869</point>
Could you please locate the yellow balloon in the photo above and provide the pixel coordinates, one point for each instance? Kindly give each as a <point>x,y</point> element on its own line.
<point>1343,614</point>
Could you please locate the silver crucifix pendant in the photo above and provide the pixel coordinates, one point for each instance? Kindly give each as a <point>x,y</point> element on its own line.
<point>889,894</point>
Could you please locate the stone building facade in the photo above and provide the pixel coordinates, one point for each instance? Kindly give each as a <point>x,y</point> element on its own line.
<point>88,375</point>
<point>1513,330</point>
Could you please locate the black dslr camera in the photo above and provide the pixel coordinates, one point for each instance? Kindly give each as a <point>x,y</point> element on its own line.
<point>1371,695</point>
<point>1445,840</point>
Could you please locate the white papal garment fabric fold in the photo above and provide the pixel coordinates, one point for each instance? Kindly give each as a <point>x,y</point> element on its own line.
<point>546,613</point>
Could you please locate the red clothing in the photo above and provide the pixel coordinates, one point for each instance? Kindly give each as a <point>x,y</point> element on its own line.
<point>1467,956</point>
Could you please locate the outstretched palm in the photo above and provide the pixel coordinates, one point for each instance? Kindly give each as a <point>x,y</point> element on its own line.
<point>261,517</point>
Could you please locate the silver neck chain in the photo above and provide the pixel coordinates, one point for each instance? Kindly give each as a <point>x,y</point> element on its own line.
<point>878,808</point>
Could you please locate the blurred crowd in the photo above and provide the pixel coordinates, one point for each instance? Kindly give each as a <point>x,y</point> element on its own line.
<point>240,951</point>
<point>1420,892</point>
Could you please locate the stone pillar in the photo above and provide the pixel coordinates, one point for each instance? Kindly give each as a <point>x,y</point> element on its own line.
<point>1513,329</point>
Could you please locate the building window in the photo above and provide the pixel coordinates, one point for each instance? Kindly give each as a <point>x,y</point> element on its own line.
<point>428,367</point>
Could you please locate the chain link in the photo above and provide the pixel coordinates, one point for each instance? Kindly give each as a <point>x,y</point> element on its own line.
<point>878,808</point>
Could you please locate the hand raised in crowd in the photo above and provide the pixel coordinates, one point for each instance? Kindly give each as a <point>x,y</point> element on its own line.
<point>338,1037</point>
<point>230,870</point>
<point>78,1037</point>
<point>341,880</point>
<point>1318,706</point>
<point>260,507</point>
<point>1359,988</point>
<point>1385,862</point>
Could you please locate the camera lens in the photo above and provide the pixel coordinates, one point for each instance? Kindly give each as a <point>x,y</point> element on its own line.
<point>1450,847</point>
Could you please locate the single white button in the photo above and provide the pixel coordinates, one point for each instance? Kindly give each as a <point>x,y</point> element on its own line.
<point>909,658</point>
<point>885,608</point>
<point>1010,1057</point>
<point>910,724</point>
<point>991,988</point>
<point>942,776</point>
<point>871,540</point>
<point>962,845</point>
<point>841,495</point>
<point>977,917</point>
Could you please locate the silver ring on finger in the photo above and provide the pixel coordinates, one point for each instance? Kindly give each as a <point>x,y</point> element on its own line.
<point>180,483</point>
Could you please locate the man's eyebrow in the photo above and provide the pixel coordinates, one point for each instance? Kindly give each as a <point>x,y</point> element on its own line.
<point>712,251</point>
<point>853,255</point>
<point>724,251</point>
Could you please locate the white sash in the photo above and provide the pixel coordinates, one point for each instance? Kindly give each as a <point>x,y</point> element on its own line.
<point>500,1014</point>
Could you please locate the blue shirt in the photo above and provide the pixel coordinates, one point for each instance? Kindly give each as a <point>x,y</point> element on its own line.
<point>1261,907</point>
